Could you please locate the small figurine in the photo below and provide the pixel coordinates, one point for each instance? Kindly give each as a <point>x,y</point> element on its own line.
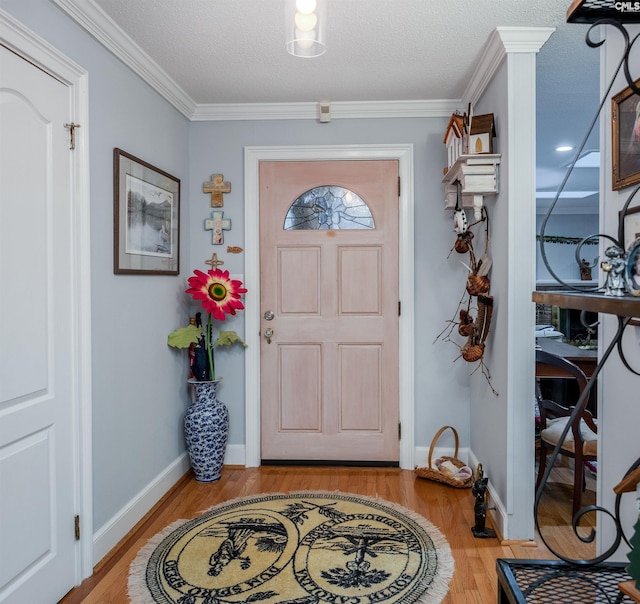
<point>585,270</point>
<point>478,490</point>
<point>614,267</point>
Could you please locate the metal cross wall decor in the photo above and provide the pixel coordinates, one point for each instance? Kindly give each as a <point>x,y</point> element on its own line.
<point>217,224</point>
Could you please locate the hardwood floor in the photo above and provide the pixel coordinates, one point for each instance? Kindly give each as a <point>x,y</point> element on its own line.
<point>474,580</point>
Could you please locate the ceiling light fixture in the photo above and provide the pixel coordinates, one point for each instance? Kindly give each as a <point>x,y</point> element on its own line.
<point>305,22</point>
<point>564,148</point>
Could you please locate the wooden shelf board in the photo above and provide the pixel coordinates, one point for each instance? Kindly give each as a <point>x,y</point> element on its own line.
<point>625,306</point>
<point>479,159</point>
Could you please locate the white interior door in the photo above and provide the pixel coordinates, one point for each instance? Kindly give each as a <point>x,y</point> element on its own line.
<point>329,294</point>
<point>37,543</point>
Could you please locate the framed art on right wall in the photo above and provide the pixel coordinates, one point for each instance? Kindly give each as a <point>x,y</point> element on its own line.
<point>632,272</point>
<point>630,227</point>
<point>625,144</point>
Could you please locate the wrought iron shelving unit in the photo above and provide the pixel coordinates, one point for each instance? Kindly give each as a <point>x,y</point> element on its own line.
<point>566,579</point>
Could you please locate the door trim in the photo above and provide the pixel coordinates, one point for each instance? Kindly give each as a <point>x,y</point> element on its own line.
<point>253,156</point>
<point>34,49</point>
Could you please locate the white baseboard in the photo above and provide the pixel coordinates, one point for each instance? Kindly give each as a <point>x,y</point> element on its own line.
<point>110,534</point>
<point>497,509</point>
<point>235,455</point>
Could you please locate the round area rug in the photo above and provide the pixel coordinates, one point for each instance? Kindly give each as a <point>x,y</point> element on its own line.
<point>296,548</point>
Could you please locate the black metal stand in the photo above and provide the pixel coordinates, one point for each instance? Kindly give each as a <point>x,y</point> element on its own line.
<point>569,580</point>
<point>555,582</point>
<point>479,490</point>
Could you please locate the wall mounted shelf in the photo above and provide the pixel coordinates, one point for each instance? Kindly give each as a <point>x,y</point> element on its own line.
<point>624,306</point>
<point>478,175</point>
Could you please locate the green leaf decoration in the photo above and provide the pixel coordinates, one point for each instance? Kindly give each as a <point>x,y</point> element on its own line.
<point>566,240</point>
<point>183,337</point>
<point>227,338</point>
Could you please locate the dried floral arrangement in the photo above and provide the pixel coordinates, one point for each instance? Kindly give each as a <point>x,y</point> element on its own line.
<point>476,297</point>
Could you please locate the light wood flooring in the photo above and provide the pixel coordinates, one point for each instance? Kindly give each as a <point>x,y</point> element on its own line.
<point>474,580</point>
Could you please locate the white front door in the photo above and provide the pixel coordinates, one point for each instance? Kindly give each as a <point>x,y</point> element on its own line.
<point>38,548</point>
<point>329,294</point>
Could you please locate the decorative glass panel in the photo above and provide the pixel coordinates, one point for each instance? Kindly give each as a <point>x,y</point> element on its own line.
<point>328,208</point>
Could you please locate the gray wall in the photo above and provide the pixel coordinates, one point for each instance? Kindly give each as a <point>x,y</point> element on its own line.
<point>488,412</point>
<point>139,393</point>
<point>441,386</point>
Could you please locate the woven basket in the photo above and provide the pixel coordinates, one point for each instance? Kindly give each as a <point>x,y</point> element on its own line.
<point>431,472</point>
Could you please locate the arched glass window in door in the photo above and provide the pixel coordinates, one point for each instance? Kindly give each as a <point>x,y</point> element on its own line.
<point>328,208</point>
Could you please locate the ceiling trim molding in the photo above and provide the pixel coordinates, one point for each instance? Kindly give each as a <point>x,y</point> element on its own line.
<point>339,110</point>
<point>93,19</point>
<point>503,41</point>
<point>97,23</point>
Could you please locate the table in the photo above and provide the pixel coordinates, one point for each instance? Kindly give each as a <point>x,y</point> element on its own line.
<point>585,359</point>
<point>565,391</point>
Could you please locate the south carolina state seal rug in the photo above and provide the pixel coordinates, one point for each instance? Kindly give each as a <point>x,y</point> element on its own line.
<point>296,548</point>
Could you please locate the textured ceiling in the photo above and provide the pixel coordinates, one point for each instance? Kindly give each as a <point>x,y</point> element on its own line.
<point>232,52</point>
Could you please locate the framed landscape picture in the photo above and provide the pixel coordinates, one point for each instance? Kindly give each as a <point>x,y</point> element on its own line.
<point>146,218</point>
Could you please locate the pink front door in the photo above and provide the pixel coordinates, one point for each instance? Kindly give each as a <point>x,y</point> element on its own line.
<point>329,296</point>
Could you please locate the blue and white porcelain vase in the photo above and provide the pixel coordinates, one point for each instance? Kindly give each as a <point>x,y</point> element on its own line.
<point>206,429</point>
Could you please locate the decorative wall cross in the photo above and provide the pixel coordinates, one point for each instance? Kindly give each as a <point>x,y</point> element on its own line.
<point>216,186</point>
<point>214,262</point>
<point>217,224</point>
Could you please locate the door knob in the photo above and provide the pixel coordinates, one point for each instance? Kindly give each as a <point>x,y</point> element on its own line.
<point>268,316</point>
<point>267,334</point>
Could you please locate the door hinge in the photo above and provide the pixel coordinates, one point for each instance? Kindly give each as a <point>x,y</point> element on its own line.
<point>399,431</point>
<point>398,186</point>
<point>72,134</point>
<point>76,523</point>
<point>399,308</point>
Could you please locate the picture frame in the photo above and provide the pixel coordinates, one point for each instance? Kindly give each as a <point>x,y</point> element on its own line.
<point>625,115</point>
<point>146,209</point>
<point>632,271</point>
<point>630,227</point>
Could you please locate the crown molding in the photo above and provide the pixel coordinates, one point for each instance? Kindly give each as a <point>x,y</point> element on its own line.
<point>501,42</point>
<point>92,18</point>
<point>339,110</point>
<point>95,21</point>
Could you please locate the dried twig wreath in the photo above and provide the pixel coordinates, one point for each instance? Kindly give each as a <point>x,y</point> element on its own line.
<point>477,289</point>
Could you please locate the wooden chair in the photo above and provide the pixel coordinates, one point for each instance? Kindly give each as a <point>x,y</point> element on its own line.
<point>581,442</point>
